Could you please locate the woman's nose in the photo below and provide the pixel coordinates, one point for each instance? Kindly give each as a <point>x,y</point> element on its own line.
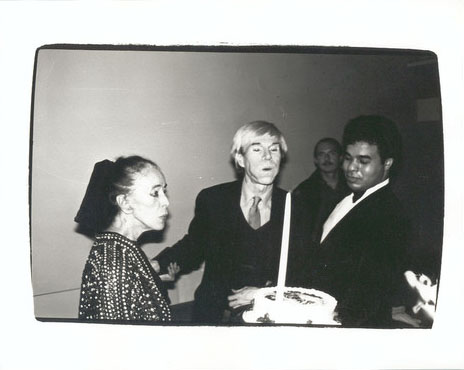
<point>164,200</point>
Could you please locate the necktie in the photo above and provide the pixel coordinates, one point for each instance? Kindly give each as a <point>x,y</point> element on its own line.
<point>254,217</point>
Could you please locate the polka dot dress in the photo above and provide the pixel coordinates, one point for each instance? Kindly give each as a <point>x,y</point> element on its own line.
<point>118,283</point>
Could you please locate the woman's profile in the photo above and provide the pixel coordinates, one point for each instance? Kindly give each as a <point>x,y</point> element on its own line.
<point>124,199</point>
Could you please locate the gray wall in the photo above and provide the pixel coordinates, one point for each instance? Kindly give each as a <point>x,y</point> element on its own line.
<point>181,109</point>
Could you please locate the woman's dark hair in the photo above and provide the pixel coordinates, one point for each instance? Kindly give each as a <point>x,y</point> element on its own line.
<point>124,171</point>
<point>108,180</point>
<point>379,131</point>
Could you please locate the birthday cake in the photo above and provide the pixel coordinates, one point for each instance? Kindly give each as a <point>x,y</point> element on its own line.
<point>296,306</point>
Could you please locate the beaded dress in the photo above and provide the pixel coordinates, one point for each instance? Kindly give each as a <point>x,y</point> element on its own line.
<point>118,283</point>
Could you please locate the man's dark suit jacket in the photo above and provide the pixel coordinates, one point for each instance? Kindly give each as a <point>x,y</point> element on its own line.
<point>361,260</point>
<point>315,200</point>
<point>213,237</point>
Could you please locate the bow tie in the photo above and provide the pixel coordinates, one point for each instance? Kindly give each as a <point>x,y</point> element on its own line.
<point>357,195</point>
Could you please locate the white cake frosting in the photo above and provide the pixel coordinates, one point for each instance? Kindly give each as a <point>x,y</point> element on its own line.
<point>298,306</point>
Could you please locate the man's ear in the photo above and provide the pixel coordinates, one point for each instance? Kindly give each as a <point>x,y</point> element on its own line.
<point>387,164</point>
<point>239,160</point>
<point>123,204</point>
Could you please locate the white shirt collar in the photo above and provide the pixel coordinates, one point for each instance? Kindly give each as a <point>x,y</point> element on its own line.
<point>371,190</point>
<point>248,194</point>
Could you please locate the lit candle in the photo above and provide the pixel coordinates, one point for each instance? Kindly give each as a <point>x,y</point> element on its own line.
<point>284,249</point>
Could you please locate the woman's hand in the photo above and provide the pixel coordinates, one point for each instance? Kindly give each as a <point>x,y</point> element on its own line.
<point>242,296</point>
<point>173,269</point>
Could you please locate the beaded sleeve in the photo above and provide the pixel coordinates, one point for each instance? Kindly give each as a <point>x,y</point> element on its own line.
<point>118,283</point>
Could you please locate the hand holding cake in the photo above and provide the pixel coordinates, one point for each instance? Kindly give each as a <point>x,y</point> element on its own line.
<point>242,297</point>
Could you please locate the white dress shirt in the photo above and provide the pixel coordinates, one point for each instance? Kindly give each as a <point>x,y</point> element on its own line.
<point>345,206</point>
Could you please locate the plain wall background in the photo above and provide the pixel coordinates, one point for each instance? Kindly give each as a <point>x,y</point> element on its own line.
<point>181,109</point>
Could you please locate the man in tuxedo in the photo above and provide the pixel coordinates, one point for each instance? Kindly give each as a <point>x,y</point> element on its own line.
<point>237,228</point>
<point>363,242</point>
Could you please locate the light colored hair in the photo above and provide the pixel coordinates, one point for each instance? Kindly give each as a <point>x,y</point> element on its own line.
<point>245,135</point>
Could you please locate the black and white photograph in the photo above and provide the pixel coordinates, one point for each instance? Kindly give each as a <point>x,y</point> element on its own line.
<point>220,127</point>
<point>247,185</point>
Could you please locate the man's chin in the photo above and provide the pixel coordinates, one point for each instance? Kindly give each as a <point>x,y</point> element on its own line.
<point>265,181</point>
<point>357,189</point>
<point>354,187</point>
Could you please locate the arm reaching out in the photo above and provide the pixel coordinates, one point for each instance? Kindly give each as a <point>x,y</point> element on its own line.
<point>173,270</point>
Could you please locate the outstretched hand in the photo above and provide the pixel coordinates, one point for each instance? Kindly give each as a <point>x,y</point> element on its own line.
<point>173,270</point>
<point>242,296</point>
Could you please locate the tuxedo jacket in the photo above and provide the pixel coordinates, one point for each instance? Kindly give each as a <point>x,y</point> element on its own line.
<point>314,200</point>
<point>361,260</point>
<point>216,236</point>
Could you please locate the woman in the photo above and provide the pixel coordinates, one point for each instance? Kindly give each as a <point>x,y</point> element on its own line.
<point>123,200</point>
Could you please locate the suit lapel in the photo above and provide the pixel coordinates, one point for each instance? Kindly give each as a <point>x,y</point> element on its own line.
<point>231,212</point>
<point>365,206</point>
